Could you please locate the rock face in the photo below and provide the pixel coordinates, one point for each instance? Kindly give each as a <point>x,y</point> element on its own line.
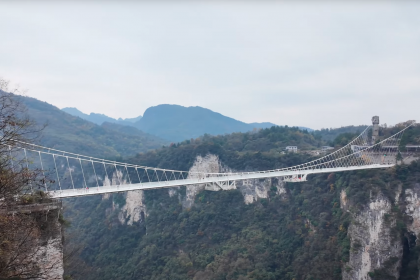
<point>251,189</point>
<point>134,209</point>
<point>207,164</point>
<point>412,209</point>
<point>256,188</point>
<point>373,245</point>
<point>49,255</point>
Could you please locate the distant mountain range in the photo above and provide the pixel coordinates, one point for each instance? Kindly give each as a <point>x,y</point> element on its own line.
<point>176,123</point>
<point>74,134</point>
<point>99,118</point>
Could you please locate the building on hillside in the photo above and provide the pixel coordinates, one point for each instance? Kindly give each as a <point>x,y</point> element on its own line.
<point>293,149</point>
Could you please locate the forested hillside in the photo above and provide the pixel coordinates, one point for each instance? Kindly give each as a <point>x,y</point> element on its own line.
<point>298,231</point>
<point>331,134</point>
<point>73,134</point>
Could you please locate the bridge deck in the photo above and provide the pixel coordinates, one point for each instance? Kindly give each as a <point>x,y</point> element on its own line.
<point>194,181</point>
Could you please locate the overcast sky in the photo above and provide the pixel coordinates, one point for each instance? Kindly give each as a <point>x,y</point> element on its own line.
<point>317,65</point>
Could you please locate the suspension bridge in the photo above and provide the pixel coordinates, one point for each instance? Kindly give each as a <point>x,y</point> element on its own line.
<point>73,175</point>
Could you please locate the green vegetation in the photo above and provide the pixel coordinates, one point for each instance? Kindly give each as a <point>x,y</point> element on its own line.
<point>74,134</point>
<point>300,235</point>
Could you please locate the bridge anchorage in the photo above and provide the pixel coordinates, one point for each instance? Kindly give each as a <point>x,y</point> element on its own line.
<point>79,175</point>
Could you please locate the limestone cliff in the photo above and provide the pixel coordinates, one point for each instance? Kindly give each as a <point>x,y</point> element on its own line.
<point>412,209</point>
<point>134,209</point>
<point>207,164</point>
<point>32,246</point>
<point>251,189</point>
<point>373,244</point>
<point>49,255</point>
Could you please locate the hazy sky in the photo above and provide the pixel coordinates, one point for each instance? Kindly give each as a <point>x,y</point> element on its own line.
<point>318,64</point>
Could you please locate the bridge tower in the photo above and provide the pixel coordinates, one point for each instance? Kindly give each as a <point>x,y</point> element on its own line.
<point>375,129</point>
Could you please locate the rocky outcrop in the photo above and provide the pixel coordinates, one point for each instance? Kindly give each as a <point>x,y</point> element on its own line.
<point>49,255</point>
<point>134,209</point>
<point>207,164</point>
<point>373,245</point>
<point>257,188</point>
<point>412,208</point>
<point>34,242</point>
<point>251,189</point>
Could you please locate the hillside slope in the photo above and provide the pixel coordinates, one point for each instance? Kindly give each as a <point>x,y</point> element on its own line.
<point>74,134</point>
<point>99,118</point>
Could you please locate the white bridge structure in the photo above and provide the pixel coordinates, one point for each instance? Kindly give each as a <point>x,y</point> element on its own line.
<point>73,175</point>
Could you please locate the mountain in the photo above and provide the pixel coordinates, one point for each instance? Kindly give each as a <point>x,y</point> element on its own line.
<point>129,120</point>
<point>177,123</point>
<point>99,118</point>
<point>74,134</point>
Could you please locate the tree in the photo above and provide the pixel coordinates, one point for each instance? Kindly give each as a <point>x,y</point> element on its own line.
<point>20,230</point>
<point>15,127</point>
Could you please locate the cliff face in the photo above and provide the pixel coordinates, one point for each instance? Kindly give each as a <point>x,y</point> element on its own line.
<point>373,244</point>
<point>250,189</point>
<point>380,234</point>
<point>32,245</point>
<point>134,209</point>
<point>49,254</point>
<point>412,208</point>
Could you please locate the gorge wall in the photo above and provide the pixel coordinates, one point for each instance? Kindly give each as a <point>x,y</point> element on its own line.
<point>380,230</point>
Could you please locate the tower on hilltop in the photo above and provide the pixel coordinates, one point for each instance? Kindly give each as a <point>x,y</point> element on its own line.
<point>375,129</point>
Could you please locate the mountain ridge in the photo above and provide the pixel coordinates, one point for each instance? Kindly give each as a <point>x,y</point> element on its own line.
<point>176,123</point>
<point>98,118</point>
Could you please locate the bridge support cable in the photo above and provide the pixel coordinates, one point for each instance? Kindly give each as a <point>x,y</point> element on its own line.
<point>43,173</point>
<point>147,174</point>
<point>27,168</point>
<point>56,171</point>
<point>128,175</point>
<point>117,175</point>
<point>71,176</point>
<point>96,176</point>
<point>106,174</point>
<point>83,173</point>
<point>137,170</point>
